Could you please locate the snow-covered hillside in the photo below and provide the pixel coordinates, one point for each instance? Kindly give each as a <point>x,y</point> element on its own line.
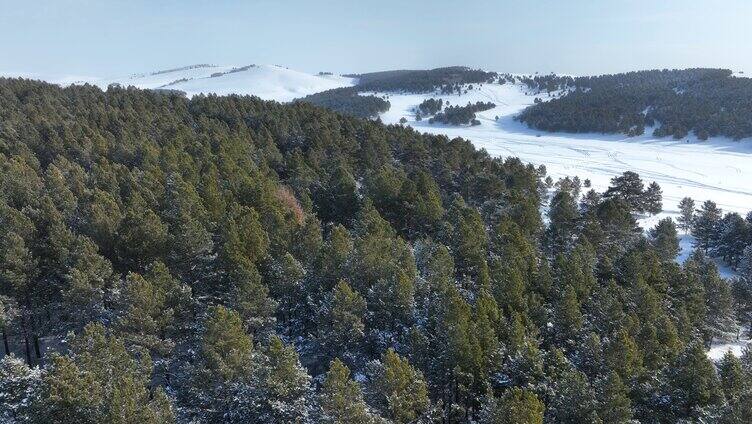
<point>717,169</point>
<point>268,82</point>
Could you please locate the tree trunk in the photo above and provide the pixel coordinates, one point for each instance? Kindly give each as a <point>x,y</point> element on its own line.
<point>5,341</point>
<point>28,349</point>
<point>35,336</point>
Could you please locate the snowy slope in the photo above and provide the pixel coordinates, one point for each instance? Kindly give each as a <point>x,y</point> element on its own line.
<point>268,82</point>
<point>718,169</point>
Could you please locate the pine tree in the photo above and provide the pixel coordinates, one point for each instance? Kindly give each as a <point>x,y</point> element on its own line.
<point>653,199</point>
<point>141,236</point>
<point>469,243</point>
<point>341,398</point>
<point>145,317</point>
<point>101,382</point>
<point>487,319</point>
<point>624,357</point>
<point>686,213</point>
<point>563,215</point>
<point>226,348</point>
<point>615,406</point>
<point>338,201</point>
<point>20,386</point>
<point>568,316</point>
<point>285,394</point>
<point>705,224</point>
<point>628,187</point>
<point>245,241</point>
<point>733,235</point>
<point>250,298</point>
<point>572,400</point>
<point>738,411</point>
<point>693,382</point>
<point>517,406</point>
<point>664,239</point>
<point>399,390</point>
<point>86,280</point>
<point>733,380</point>
<point>341,327</point>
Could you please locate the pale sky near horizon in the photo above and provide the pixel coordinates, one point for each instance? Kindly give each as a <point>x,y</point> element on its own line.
<point>118,37</point>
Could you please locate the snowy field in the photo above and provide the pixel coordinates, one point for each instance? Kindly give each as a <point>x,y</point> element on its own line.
<point>269,82</point>
<point>717,169</point>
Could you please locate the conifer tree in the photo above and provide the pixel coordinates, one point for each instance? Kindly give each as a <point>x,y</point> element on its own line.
<point>568,319</point>
<point>20,386</point>
<point>341,327</point>
<point>250,298</point>
<point>733,380</point>
<point>705,224</point>
<point>226,348</point>
<point>664,239</point>
<point>341,398</point>
<point>517,406</point>
<point>101,382</point>
<point>653,199</point>
<point>399,390</point>
<point>693,383</point>
<point>686,213</point>
<point>285,393</point>
<point>614,403</point>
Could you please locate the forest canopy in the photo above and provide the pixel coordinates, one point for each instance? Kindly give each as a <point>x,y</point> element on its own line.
<point>347,100</point>
<point>707,102</point>
<point>231,260</point>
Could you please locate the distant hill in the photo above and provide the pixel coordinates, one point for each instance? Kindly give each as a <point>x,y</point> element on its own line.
<point>269,82</point>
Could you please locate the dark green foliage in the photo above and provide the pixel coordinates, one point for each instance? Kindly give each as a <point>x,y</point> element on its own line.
<point>709,102</point>
<point>225,250</point>
<point>517,406</point>
<point>628,188</point>
<point>705,225</point>
<point>342,399</point>
<point>347,100</point>
<point>420,81</point>
<point>101,382</point>
<point>430,106</point>
<point>664,238</point>
<point>461,115</point>
<point>694,383</point>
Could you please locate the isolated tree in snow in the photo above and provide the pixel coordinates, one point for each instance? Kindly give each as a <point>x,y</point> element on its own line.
<point>705,224</point>
<point>629,188</point>
<point>653,199</point>
<point>686,213</point>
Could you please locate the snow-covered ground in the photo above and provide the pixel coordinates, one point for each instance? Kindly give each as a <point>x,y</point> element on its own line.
<point>269,82</point>
<point>717,169</point>
<point>719,348</point>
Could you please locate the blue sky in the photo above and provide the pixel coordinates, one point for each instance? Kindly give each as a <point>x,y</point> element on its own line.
<point>112,38</point>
